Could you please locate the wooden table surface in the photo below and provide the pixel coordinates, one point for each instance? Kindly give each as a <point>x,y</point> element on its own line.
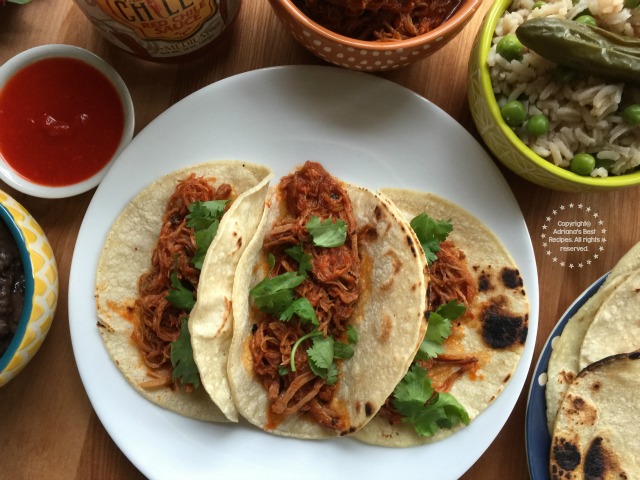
<point>48,428</point>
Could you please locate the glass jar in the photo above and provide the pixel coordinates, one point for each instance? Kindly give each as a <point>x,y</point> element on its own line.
<point>161,30</point>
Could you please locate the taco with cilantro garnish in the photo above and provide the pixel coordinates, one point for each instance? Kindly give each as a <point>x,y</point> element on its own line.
<point>328,308</point>
<point>477,327</point>
<point>164,282</point>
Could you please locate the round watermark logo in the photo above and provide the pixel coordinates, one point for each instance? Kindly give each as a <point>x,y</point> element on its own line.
<point>573,236</point>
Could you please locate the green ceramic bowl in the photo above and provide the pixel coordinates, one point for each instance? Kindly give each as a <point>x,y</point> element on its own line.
<point>503,142</point>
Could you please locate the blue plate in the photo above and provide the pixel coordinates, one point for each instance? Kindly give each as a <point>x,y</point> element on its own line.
<point>538,440</point>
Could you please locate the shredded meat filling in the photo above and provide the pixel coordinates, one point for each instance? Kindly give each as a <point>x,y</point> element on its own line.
<point>379,20</point>
<point>159,322</point>
<point>331,287</point>
<point>449,280</point>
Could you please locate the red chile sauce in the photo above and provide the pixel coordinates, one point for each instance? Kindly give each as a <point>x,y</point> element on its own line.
<point>61,121</point>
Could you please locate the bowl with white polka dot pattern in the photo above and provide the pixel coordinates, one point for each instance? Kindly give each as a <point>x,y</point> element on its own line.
<point>369,56</point>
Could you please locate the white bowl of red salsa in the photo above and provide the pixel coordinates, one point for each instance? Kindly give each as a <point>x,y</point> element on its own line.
<point>65,115</point>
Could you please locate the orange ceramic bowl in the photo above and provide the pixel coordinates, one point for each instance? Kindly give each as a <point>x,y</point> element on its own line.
<point>369,55</point>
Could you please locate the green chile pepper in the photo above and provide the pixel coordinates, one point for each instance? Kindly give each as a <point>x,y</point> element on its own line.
<point>583,47</point>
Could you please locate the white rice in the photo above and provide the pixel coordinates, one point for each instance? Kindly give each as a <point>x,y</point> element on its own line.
<point>583,115</point>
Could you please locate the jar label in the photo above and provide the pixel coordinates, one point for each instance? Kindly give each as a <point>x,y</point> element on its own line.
<point>156,29</point>
<point>162,19</point>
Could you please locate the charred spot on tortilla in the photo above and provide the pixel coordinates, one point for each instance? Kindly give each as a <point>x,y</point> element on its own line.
<point>507,378</point>
<point>567,455</point>
<point>368,233</point>
<point>368,409</point>
<point>567,376</point>
<point>595,460</point>
<point>484,282</point>
<point>634,355</point>
<point>377,213</point>
<point>348,432</point>
<point>595,386</point>
<point>386,328</point>
<point>578,404</point>
<point>412,245</point>
<point>396,266</point>
<point>502,329</point>
<point>511,278</point>
<point>584,412</point>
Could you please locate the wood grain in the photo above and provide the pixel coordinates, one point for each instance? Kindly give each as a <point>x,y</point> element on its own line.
<point>47,426</point>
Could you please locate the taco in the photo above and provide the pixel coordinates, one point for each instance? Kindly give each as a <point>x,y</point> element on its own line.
<point>328,308</point>
<point>564,362</point>
<point>149,277</point>
<point>477,327</point>
<point>596,432</point>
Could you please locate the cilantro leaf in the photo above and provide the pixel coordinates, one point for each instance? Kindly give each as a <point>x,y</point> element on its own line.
<point>439,329</point>
<point>314,333</point>
<point>451,310</point>
<point>283,370</point>
<point>178,295</point>
<point>321,353</point>
<point>184,367</point>
<point>203,214</point>
<point>332,375</point>
<point>352,335</point>
<point>275,294</point>
<point>430,233</point>
<point>203,241</point>
<point>342,350</point>
<point>326,233</point>
<point>321,356</point>
<point>413,391</point>
<point>427,410</point>
<point>204,218</point>
<point>303,259</point>
<point>303,309</point>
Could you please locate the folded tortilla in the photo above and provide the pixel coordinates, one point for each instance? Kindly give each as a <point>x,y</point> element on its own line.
<point>493,330</point>
<point>389,319</point>
<point>564,362</point>
<point>616,326</point>
<point>596,433</point>
<point>126,255</point>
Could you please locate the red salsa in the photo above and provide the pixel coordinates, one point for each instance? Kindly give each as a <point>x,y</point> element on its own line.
<point>61,121</point>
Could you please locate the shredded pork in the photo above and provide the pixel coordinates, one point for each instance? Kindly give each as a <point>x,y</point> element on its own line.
<point>159,322</point>
<point>331,287</point>
<point>380,20</point>
<point>449,280</point>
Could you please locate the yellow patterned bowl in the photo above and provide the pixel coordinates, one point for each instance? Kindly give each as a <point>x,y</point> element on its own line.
<point>503,142</point>
<point>41,287</point>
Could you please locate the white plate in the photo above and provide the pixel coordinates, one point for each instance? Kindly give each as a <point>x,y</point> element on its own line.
<point>363,129</point>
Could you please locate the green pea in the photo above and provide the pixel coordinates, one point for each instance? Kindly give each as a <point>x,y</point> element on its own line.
<point>510,48</point>
<point>631,114</point>
<point>582,164</point>
<point>538,125</point>
<point>587,20</point>
<point>632,3</point>
<point>514,113</point>
<point>539,5</point>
